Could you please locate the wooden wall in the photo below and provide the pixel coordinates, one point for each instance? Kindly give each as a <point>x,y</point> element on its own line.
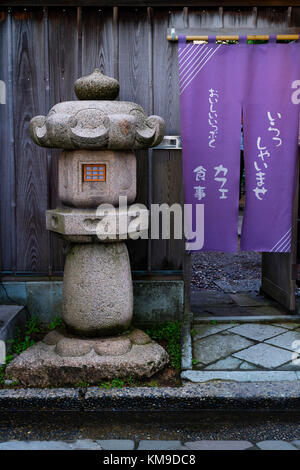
<point>42,51</point>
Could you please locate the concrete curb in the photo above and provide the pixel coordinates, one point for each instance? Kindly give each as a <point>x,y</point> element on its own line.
<point>207,396</point>
<point>186,343</point>
<point>248,319</point>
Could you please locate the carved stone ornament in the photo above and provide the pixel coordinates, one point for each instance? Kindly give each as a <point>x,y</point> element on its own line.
<point>96,123</point>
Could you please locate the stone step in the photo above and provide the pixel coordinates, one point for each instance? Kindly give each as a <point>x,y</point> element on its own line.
<point>11,318</point>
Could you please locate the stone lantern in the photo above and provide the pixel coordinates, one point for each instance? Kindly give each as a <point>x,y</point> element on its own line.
<point>97,166</point>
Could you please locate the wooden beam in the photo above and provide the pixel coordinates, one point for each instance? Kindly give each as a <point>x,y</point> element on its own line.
<point>151,3</point>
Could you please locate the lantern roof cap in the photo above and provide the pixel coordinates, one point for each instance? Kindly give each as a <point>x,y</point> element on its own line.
<point>97,121</point>
<point>96,86</point>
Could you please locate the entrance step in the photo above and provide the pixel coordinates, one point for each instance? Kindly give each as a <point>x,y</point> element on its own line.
<point>11,318</point>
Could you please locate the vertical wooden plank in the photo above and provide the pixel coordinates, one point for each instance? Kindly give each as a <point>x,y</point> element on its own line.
<point>31,161</point>
<point>135,78</point>
<point>97,40</point>
<point>6,146</point>
<point>205,18</point>
<point>294,18</point>
<point>150,151</point>
<point>63,71</point>
<point>167,165</point>
<point>272,17</point>
<point>239,18</point>
<point>165,68</point>
<point>133,56</point>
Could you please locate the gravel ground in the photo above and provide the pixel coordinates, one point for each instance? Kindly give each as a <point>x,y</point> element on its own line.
<point>212,266</point>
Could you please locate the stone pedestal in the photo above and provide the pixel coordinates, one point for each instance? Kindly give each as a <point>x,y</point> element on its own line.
<point>64,359</point>
<point>97,289</point>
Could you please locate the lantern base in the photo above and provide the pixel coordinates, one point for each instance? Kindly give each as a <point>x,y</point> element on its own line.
<point>63,359</point>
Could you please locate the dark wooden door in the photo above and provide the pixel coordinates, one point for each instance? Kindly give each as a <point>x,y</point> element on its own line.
<point>278,279</point>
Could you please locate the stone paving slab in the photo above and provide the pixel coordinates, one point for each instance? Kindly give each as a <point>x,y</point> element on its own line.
<point>288,326</point>
<point>212,348</point>
<point>247,366</point>
<point>264,355</point>
<point>290,366</point>
<point>113,444</point>
<point>200,376</point>
<point>230,363</point>
<point>207,330</point>
<point>160,445</point>
<point>218,445</point>
<point>296,444</point>
<point>275,445</point>
<point>258,332</point>
<point>85,444</point>
<point>36,445</point>
<point>119,444</point>
<point>286,340</point>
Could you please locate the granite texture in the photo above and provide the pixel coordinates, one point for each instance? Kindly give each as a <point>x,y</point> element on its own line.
<point>214,347</point>
<point>120,178</point>
<point>115,125</point>
<point>96,86</point>
<point>97,289</point>
<point>265,355</point>
<point>201,376</point>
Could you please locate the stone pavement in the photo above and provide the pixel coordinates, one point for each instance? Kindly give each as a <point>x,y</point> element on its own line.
<point>117,444</point>
<point>260,344</point>
<point>247,346</point>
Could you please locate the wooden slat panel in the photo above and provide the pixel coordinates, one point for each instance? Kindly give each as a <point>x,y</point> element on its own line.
<point>6,146</point>
<point>31,163</point>
<point>97,40</point>
<point>165,70</point>
<point>206,18</point>
<point>272,18</point>
<point>239,18</point>
<point>167,167</point>
<point>63,65</point>
<point>167,188</point>
<point>135,78</point>
<point>295,17</point>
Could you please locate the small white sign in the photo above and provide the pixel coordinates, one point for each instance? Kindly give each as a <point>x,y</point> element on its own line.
<point>2,92</point>
<point>2,352</point>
